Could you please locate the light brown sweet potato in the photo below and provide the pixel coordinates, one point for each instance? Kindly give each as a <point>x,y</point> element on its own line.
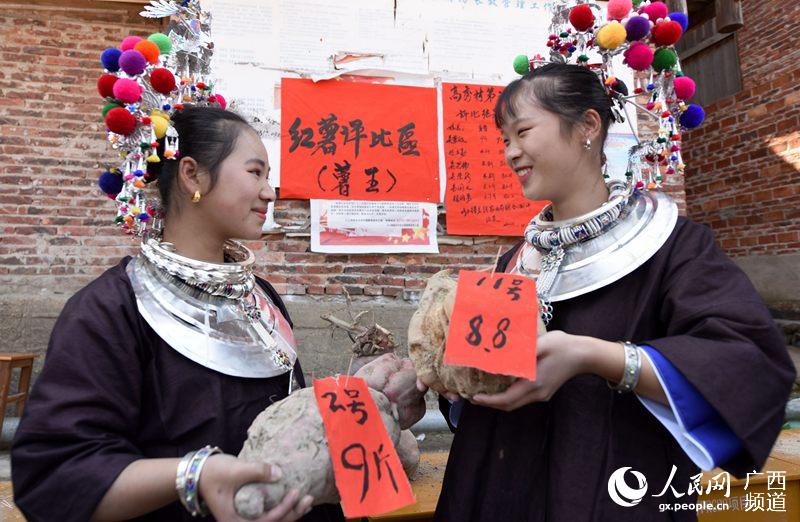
<point>427,337</point>
<point>396,378</point>
<point>290,434</point>
<point>408,451</point>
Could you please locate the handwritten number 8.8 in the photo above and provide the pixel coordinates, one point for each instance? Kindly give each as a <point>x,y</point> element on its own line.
<point>499,338</point>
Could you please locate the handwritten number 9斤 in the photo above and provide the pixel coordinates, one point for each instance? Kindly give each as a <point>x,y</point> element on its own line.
<point>362,464</point>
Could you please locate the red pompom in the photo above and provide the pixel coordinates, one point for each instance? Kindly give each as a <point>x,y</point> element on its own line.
<point>163,81</point>
<point>667,33</point>
<point>120,121</point>
<point>105,85</point>
<point>146,120</point>
<point>581,17</point>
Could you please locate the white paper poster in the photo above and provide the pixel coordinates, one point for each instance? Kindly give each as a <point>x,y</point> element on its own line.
<point>373,226</point>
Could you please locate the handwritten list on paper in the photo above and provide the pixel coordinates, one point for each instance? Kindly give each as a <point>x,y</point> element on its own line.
<point>482,196</point>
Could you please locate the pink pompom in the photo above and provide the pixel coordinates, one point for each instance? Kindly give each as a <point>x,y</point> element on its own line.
<point>127,91</point>
<point>619,9</point>
<point>129,43</point>
<point>223,103</point>
<point>684,87</point>
<point>656,10</point>
<point>639,56</point>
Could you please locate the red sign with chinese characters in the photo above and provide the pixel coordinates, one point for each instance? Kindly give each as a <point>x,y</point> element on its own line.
<point>362,141</point>
<point>494,324</point>
<point>368,472</point>
<point>482,196</point>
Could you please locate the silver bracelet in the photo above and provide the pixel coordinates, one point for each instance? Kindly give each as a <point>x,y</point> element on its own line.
<point>633,369</point>
<point>187,479</point>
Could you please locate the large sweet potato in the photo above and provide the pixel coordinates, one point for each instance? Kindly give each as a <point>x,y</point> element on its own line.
<point>427,337</point>
<point>290,434</point>
<point>396,378</point>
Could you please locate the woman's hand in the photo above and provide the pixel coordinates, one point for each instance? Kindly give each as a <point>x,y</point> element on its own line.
<point>450,396</point>
<point>223,475</point>
<point>559,357</point>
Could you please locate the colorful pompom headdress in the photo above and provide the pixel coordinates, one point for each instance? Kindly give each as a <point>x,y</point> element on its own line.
<point>145,81</point>
<point>644,33</point>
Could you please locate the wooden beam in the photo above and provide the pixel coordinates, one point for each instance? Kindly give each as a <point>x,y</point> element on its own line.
<point>729,15</point>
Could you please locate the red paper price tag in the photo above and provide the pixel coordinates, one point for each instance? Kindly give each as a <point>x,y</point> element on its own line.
<point>494,324</point>
<point>368,472</point>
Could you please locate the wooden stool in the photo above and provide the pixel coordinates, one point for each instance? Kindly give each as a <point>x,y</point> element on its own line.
<point>9,361</point>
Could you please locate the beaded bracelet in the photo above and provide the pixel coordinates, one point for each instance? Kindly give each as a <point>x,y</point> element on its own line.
<point>187,479</point>
<point>633,369</point>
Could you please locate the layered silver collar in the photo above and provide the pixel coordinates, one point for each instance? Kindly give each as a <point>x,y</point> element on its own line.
<point>642,228</point>
<point>243,335</point>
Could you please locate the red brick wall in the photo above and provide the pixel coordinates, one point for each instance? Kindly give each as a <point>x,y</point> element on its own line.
<point>53,219</point>
<point>743,164</point>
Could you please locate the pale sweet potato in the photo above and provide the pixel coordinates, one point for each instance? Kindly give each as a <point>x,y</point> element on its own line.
<point>427,337</point>
<point>290,434</point>
<point>397,380</point>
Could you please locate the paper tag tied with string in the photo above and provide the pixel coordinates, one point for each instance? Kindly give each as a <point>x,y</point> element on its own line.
<point>367,470</point>
<point>494,324</point>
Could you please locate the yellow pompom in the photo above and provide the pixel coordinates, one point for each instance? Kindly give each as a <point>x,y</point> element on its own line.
<point>160,124</point>
<point>135,210</point>
<point>153,158</point>
<point>611,35</point>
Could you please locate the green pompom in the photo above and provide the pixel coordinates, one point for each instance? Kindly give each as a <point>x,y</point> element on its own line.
<point>637,3</point>
<point>162,41</point>
<point>521,64</point>
<point>110,105</point>
<point>664,60</point>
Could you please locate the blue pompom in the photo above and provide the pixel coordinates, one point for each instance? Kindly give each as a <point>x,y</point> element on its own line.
<point>110,183</point>
<point>693,116</point>
<point>110,59</point>
<point>681,18</point>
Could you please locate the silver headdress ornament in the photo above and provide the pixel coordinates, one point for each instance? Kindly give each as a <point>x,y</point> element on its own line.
<point>144,83</point>
<point>585,253</point>
<point>645,34</point>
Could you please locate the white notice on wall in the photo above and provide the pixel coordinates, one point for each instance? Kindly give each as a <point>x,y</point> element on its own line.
<point>373,227</point>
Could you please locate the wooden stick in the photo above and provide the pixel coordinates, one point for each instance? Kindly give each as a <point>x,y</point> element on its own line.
<point>496,259</point>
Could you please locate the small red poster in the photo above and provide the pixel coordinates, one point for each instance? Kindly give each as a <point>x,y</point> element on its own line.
<point>482,196</point>
<point>358,141</point>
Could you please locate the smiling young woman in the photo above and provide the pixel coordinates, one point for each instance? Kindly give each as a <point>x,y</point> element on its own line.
<point>175,349</point>
<point>659,353</point>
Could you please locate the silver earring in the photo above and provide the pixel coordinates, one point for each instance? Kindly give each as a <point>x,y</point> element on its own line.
<point>587,145</point>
